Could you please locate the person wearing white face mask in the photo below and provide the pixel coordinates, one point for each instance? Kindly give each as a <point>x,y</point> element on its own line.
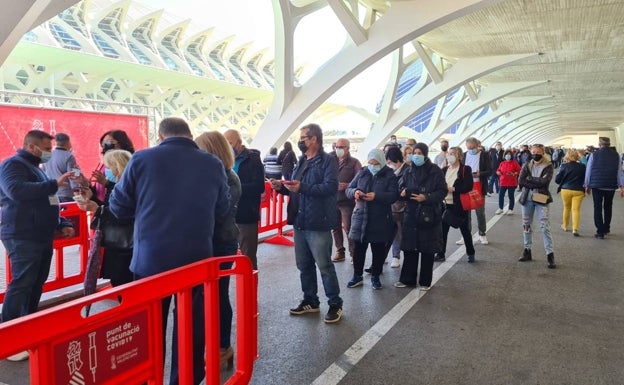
<point>459,181</point>
<point>496,157</point>
<point>348,167</point>
<point>394,160</point>
<point>30,215</point>
<point>374,189</point>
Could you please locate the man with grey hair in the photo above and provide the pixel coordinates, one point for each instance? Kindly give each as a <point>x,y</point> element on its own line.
<point>602,177</point>
<point>61,162</point>
<point>479,162</point>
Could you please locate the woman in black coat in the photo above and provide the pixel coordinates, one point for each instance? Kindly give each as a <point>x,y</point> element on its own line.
<point>374,189</point>
<point>424,188</point>
<point>459,181</point>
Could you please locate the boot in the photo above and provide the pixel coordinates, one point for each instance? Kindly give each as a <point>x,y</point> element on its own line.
<point>551,260</point>
<point>526,255</point>
<point>339,256</point>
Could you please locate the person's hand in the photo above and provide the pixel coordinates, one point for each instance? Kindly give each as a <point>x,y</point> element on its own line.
<point>293,186</point>
<point>342,186</point>
<point>369,197</point>
<point>358,195</point>
<point>451,189</point>
<point>68,232</point>
<point>88,206</point>
<point>403,193</point>
<point>418,197</point>
<point>588,191</point>
<point>476,174</point>
<point>275,184</point>
<point>62,180</point>
<point>99,177</point>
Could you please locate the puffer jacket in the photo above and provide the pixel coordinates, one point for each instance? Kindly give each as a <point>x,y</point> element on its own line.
<point>314,206</point>
<point>531,184</point>
<point>372,220</point>
<point>427,179</point>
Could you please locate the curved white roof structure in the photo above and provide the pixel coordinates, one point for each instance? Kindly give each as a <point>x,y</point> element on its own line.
<point>510,70</point>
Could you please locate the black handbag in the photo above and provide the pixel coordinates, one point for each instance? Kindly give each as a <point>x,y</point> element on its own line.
<point>452,219</point>
<point>427,215</point>
<point>116,234</point>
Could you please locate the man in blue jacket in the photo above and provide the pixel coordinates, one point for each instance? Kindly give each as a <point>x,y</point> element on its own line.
<point>30,215</point>
<point>602,177</point>
<point>312,212</point>
<point>174,191</point>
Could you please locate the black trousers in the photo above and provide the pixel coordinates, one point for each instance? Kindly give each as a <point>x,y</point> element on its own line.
<point>409,272</point>
<point>379,255</point>
<point>603,210</point>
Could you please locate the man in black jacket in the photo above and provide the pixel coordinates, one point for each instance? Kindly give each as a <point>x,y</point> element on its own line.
<point>496,157</point>
<point>250,170</point>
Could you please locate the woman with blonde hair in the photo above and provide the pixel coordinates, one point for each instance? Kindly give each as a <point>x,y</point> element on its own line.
<point>225,239</point>
<point>407,154</point>
<point>118,250</point>
<point>570,180</point>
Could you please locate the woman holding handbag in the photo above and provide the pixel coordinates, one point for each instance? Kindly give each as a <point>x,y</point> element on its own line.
<point>459,181</point>
<point>424,188</point>
<point>117,234</point>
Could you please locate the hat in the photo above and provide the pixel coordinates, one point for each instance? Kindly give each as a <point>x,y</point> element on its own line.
<point>604,141</point>
<point>378,155</point>
<point>422,147</point>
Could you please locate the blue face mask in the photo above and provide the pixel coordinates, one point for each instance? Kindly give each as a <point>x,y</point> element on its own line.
<point>110,176</point>
<point>474,151</point>
<point>507,157</point>
<point>374,168</point>
<point>418,160</point>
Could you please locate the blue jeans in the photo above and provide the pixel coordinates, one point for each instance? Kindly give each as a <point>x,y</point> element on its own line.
<point>528,210</point>
<point>501,197</point>
<point>313,248</point>
<point>30,266</point>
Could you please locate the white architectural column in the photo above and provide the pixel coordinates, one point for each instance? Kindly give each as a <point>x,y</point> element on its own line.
<point>403,22</point>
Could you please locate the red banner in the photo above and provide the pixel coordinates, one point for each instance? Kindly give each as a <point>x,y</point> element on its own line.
<point>83,128</point>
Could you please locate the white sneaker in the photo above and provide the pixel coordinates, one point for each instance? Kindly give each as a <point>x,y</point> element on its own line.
<point>460,242</point>
<point>509,212</point>
<point>499,211</point>
<point>21,356</point>
<point>395,262</point>
<point>483,240</point>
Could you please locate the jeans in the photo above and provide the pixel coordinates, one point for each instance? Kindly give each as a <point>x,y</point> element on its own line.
<point>30,266</point>
<point>313,248</point>
<point>199,335</point>
<point>528,210</point>
<point>248,241</point>
<point>603,200</point>
<point>344,213</point>
<point>572,200</point>
<point>510,194</point>
<point>493,182</point>
<point>225,307</point>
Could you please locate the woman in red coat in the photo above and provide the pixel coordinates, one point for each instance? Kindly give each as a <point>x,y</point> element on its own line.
<point>508,172</point>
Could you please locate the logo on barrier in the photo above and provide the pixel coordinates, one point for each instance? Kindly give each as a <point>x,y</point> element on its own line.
<point>101,354</point>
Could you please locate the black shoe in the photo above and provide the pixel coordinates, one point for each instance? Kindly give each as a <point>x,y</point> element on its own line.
<point>599,235</point>
<point>526,255</point>
<point>305,307</point>
<point>551,260</point>
<point>368,270</point>
<point>471,258</point>
<point>439,257</point>
<point>334,314</point>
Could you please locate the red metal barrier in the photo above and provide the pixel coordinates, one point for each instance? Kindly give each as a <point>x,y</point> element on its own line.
<point>123,345</point>
<point>71,212</point>
<point>273,209</point>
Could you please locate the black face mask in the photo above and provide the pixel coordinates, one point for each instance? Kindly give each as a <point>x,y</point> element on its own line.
<point>302,146</point>
<point>537,157</point>
<point>444,148</point>
<point>107,146</point>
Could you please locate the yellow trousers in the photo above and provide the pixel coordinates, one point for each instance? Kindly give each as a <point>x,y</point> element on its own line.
<point>572,200</point>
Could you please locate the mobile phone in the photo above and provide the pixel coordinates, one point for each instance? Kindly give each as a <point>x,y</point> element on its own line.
<point>76,171</point>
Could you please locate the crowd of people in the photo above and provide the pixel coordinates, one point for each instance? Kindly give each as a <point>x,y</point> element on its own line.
<point>399,201</point>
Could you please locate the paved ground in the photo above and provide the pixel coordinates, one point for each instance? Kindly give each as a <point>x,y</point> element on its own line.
<point>496,321</point>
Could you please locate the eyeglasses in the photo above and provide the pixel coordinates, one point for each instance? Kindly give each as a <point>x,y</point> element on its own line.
<point>341,147</point>
<point>304,137</point>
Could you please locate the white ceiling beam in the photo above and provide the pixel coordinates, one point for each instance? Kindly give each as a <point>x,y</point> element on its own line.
<point>435,75</point>
<point>349,21</point>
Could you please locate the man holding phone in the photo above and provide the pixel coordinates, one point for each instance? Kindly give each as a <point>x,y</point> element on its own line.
<point>62,162</point>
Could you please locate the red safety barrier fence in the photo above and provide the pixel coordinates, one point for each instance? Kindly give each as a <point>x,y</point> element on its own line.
<point>273,217</point>
<point>72,213</point>
<point>123,344</point>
